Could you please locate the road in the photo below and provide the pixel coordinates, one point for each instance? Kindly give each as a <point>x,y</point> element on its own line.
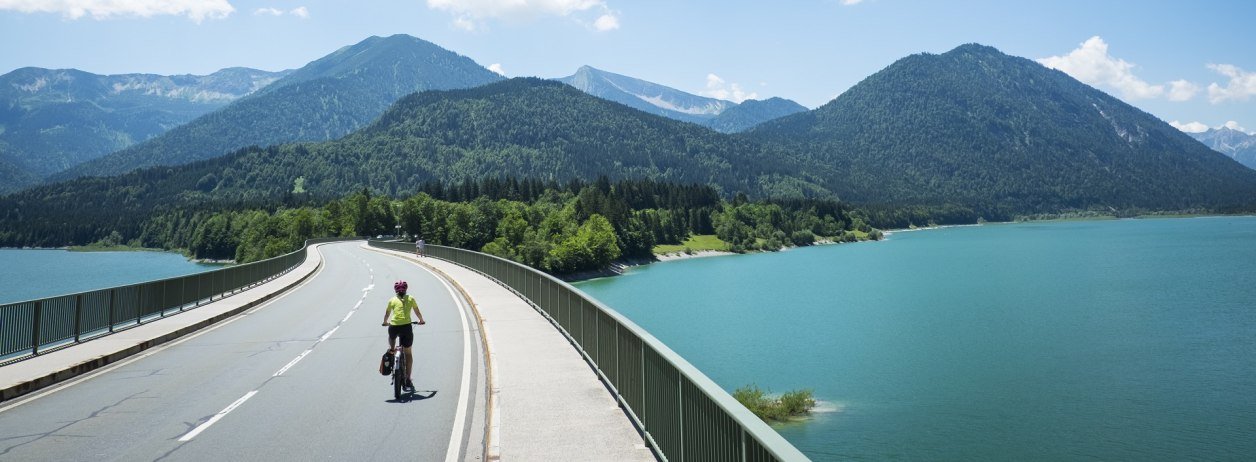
<point>294,379</point>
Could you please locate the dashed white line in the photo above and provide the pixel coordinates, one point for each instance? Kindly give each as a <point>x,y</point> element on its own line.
<point>293,363</point>
<point>223,413</point>
<point>348,315</point>
<point>328,334</point>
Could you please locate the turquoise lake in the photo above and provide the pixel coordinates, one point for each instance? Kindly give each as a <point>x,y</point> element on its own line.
<point>1089,340</point>
<point>30,274</point>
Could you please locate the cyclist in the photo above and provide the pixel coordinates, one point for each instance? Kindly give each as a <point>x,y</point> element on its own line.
<point>397,318</point>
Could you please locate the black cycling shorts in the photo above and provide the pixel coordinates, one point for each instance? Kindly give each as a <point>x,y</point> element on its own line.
<point>406,332</point>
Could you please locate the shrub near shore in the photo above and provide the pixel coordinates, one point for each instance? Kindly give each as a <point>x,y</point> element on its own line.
<point>792,404</point>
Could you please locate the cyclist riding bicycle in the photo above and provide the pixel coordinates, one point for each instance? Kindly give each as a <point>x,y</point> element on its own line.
<point>397,318</point>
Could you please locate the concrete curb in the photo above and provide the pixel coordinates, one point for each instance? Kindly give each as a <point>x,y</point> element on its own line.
<point>84,367</point>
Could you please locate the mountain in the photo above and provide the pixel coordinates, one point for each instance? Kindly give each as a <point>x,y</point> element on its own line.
<point>51,119</point>
<point>977,127</point>
<point>751,113</point>
<point>646,96</point>
<point>525,128</point>
<point>1236,144</point>
<point>323,100</point>
<point>719,115</point>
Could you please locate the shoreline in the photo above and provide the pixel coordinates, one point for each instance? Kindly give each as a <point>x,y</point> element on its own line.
<point>617,268</point>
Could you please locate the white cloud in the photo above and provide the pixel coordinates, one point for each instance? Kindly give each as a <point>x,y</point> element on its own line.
<point>606,22</point>
<point>1232,125</point>
<point>1091,64</point>
<point>497,67</point>
<point>1182,90</point>
<point>1190,127</point>
<point>1242,84</point>
<point>717,88</point>
<point>300,12</point>
<point>470,14</point>
<point>465,24</point>
<point>196,10</point>
<point>850,2</point>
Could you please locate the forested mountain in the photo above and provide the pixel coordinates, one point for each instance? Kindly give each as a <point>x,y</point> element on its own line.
<point>720,115</point>
<point>524,128</point>
<point>1236,144</point>
<point>51,119</point>
<point>323,100</point>
<point>976,126</point>
<point>932,138</point>
<point>751,113</point>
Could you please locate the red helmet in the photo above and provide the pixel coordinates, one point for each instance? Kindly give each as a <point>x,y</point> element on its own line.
<point>400,286</point>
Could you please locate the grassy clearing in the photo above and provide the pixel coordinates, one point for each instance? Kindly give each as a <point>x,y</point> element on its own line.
<point>793,404</point>
<point>694,243</point>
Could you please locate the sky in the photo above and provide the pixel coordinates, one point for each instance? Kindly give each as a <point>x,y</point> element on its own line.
<point>1191,64</point>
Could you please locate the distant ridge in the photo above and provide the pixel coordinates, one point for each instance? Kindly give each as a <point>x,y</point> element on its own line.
<point>52,119</point>
<point>323,100</point>
<point>1236,144</point>
<point>661,100</point>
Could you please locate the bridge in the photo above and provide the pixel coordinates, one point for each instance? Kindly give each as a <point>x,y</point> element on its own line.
<point>278,360</point>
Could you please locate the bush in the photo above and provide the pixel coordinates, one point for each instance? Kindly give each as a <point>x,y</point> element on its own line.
<point>791,404</point>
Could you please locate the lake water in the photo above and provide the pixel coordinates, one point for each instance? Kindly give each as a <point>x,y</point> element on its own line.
<point>31,274</point>
<point>1102,340</point>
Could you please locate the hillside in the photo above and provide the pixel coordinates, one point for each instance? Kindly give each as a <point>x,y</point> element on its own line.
<point>51,119</point>
<point>977,127</point>
<point>323,100</point>
<point>751,113</point>
<point>1236,144</point>
<point>524,128</point>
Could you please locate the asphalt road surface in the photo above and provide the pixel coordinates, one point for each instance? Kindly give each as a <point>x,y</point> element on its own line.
<point>294,379</point>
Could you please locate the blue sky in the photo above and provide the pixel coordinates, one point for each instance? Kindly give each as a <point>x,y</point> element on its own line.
<point>1190,63</point>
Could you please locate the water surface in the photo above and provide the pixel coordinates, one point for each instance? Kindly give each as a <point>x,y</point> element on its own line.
<point>1108,340</point>
<point>29,274</point>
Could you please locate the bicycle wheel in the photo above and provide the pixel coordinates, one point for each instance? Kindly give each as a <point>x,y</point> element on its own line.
<point>399,376</point>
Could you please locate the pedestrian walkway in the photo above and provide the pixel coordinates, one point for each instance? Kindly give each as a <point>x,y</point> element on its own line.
<point>50,368</point>
<point>548,402</point>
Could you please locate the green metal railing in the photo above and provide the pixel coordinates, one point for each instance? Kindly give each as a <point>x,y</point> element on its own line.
<point>682,414</point>
<point>35,326</point>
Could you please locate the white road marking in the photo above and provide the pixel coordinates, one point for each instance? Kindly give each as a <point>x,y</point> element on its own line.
<point>200,428</point>
<point>369,288</point>
<point>293,363</point>
<point>348,315</point>
<point>460,416</point>
<point>328,334</point>
<point>161,348</point>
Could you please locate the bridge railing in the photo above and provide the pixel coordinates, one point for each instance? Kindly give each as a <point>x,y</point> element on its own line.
<point>681,413</point>
<point>37,326</point>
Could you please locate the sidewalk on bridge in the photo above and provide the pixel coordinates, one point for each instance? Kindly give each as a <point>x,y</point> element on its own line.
<point>47,369</point>
<point>549,402</point>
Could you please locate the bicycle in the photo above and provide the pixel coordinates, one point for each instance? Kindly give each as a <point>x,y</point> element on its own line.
<point>399,369</point>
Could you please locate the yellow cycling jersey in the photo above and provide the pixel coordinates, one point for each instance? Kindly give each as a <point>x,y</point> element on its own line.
<point>399,310</point>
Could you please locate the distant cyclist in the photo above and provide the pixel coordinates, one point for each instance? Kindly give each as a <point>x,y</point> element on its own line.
<point>419,247</point>
<point>397,318</point>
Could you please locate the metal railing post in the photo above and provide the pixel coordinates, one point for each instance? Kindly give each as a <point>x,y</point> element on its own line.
<point>78,317</point>
<point>39,305</point>
<point>113,296</point>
